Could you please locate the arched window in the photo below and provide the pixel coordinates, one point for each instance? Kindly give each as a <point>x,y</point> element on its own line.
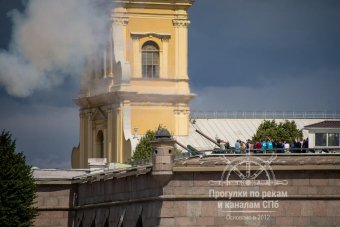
<point>150,60</point>
<point>100,144</point>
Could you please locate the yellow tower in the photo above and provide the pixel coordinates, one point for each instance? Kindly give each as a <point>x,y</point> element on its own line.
<point>137,81</point>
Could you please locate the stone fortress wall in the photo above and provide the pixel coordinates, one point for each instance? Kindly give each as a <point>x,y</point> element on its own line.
<point>306,193</point>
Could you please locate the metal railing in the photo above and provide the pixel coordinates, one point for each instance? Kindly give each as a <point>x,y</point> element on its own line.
<point>266,114</point>
<point>148,161</point>
<point>276,150</point>
<point>183,155</point>
<point>233,151</point>
<point>143,162</point>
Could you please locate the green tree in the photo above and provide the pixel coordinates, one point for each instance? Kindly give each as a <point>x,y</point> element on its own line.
<point>283,131</point>
<point>17,186</point>
<point>144,147</point>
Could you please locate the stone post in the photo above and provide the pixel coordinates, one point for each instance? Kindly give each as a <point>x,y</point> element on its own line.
<point>163,154</point>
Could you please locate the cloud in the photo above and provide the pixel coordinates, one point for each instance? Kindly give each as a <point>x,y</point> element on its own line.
<point>288,94</point>
<point>241,42</point>
<point>46,134</point>
<point>51,162</point>
<point>50,41</point>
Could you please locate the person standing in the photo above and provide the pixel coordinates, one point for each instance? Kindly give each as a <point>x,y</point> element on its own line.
<point>263,146</point>
<point>305,145</point>
<point>243,147</point>
<point>251,147</point>
<point>270,146</point>
<point>279,147</point>
<point>292,146</point>
<point>237,147</point>
<point>298,146</point>
<point>227,145</point>
<point>286,146</point>
<point>247,145</point>
<point>258,147</point>
<point>222,145</point>
<point>274,145</point>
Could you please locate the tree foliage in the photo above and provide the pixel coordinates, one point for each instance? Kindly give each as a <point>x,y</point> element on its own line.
<point>17,186</point>
<point>286,131</point>
<point>144,147</point>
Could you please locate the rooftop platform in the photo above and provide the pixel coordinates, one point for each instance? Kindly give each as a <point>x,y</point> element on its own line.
<point>231,129</point>
<point>213,163</point>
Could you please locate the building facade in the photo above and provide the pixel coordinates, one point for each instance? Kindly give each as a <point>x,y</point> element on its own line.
<point>136,81</point>
<point>324,135</point>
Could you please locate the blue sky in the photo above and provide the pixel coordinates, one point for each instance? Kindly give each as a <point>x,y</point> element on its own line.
<point>243,55</point>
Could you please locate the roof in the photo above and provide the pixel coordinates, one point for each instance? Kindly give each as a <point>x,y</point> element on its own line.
<point>70,176</point>
<point>230,130</point>
<point>325,124</point>
<point>57,174</point>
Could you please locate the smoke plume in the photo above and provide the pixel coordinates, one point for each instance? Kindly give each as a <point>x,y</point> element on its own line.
<point>50,41</point>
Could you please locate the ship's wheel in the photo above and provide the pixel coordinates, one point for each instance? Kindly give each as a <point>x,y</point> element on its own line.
<point>250,171</point>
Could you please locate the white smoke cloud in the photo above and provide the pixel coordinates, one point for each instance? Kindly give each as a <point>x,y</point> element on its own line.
<point>50,41</point>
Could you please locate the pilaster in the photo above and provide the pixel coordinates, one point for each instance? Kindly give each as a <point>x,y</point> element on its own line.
<point>181,47</point>
<point>111,53</point>
<point>89,135</point>
<point>118,134</point>
<point>137,60</point>
<point>105,155</point>
<point>181,121</point>
<point>105,62</point>
<point>164,65</point>
<point>121,22</point>
<point>94,145</point>
<point>82,139</point>
<point>109,135</point>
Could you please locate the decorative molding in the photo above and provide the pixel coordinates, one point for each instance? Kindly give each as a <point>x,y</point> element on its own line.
<point>162,79</point>
<point>135,38</point>
<point>181,112</point>
<point>81,115</point>
<point>122,21</point>
<point>118,110</point>
<point>150,34</point>
<point>193,197</point>
<point>89,115</point>
<point>109,110</point>
<point>165,40</point>
<point>180,22</point>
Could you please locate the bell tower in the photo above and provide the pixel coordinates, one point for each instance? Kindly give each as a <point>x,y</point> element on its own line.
<point>138,80</point>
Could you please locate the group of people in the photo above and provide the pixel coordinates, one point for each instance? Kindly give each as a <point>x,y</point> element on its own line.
<point>267,145</point>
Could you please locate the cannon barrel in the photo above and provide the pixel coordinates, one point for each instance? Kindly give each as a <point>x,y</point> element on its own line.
<point>183,146</point>
<point>207,137</point>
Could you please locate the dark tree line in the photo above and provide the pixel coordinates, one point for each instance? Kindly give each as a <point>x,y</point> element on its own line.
<point>17,186</point>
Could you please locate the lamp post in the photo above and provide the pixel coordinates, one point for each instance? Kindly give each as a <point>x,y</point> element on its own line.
<point>135,135</point>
